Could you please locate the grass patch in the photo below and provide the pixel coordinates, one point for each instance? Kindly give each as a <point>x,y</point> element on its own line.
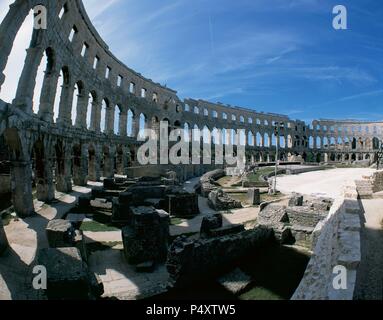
<point>175,221</point>
<point>224,180</point>
<point>270,197</point>
<point>260,293</point>
<point>95,226</point>
<point>256,176</point>
<point>242,197</point>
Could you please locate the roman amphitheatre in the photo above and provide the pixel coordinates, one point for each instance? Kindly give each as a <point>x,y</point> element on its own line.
<point>75,200</point>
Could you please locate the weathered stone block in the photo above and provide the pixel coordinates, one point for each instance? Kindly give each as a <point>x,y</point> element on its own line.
<point>272,215</point>
<point>60,233</point>
<point>146,239</point>
<point>67,274</point>
<point>254,196</point>
<point>211,222</point>
<point>296,200</point>
<point>219,200</point>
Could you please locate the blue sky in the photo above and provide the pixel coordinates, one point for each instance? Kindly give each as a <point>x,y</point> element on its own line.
<point>279,56</point>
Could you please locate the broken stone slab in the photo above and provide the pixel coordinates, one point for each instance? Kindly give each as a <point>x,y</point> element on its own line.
<point>219,200</point>
<point>272,214</point>
<point>101,204</point>
<point>254,197</point>
<point>84,201</point>
<point>146,238</point>
<point>296,200</point>
<point>236,281</point>
<point>211,222</point>
<point>60,233</point>
<point>350,254</point>
<point>67,274</point>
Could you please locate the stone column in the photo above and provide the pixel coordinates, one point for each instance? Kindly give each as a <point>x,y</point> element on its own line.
<point>123,125</point>
<point>135,126</point>
<point>21,186</point>
<point>8,31</point>
<point>109,121</point>
<point>65,108</point>
<point>63,172</point>
<point>109,165</point>
<point>45,188</point>
<point>48,95</point>
<point>27,81</point>
<point>95,116</point>
<point>94,172</point>
<point>80,168</point>
<point>82,106</point>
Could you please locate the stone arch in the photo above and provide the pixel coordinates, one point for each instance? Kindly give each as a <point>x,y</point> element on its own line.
<point>103,118</point>
<point>42,174</point>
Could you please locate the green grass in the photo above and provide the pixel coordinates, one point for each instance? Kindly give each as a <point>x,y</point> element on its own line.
<point>255,177</point>
<point>224,180</point>
<point>242,197</point>
<point>267,197</point>
<point>95,226</point>
<point>260,293</point>
<point>175,221</point>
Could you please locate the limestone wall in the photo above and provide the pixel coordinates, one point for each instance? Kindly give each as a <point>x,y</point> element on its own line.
<point>337,243</point>
<point>369,185</point>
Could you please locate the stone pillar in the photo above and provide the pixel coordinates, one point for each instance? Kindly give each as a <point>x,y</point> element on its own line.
<point>94,172</point>
<point>109,165</point>
<point>254,197</point>
<point>65,108</point>
<point>9,27</point>
<point>27,81</point>
<point>21,185</point>
<point>135,126</point>
<point>63,172</point>
<point>82,106</point>
<point>95,116</point>
<point>45,188</point>
<point>109,121</point>
<point>80,167</point>
<point>48,95</point>
<point>123,125</point>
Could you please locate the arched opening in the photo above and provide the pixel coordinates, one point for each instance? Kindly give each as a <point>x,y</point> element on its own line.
<point>266,140</point>
<point>117,119</point>
<point>250,138</point>
<point>375,143</point>
<point>196,134</point>
<point>16,58</point>
<point>44,68</point>
<point>104,107</point>
<point>142,125</point>
<point>92,101</point>
<point>259,140</point>
<point>78,90</point>
<point>130,123</point>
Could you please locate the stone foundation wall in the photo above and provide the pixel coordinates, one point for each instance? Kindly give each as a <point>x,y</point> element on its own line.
<point>337,242</point>
<point>189,260</point>
<point>369,185</point>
